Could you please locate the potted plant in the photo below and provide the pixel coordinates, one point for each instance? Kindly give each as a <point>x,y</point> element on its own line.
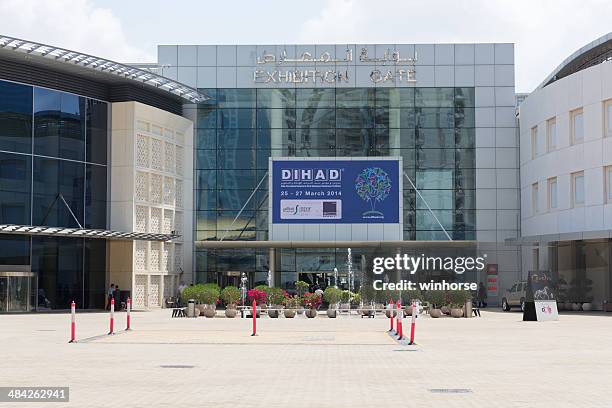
<point>437,299</point>
<point>332,296</point>
<point>345,300</point>
<point>457,299</point>
<point>259,296</point>
<point>209,296</point>
<point>291,304</point>
<point>311,301</point>
<point>230,296</point>
<point>276,296</point>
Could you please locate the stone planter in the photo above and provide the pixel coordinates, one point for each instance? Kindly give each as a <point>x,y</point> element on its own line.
<point>456,312</point>
<point>576,307</point>
<point>332,313</point>
<point>568,305</point>
<point>230,312</point>
<point>196,312</point>
<point>300,310</point>
<point>311,313</point>
<point>408,311</point>
<point>345,307</point>
<point>367,311</point>
<point>587,307</point>
<point>289,313</point>
<point>209,311</point>
<point>435,313</point>
<point>274,311</point>
<point>388,313</point>
<point>445,310</point>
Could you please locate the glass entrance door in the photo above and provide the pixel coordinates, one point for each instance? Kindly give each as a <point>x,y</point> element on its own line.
<point>16,291</point>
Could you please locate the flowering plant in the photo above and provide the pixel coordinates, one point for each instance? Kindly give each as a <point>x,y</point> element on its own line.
<point>312,300</point>
<point>277,296</point>
<point>292,302</point>
<point>257,295</point>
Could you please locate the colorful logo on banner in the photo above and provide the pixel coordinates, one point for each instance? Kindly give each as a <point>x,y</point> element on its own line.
<point>373,185</point>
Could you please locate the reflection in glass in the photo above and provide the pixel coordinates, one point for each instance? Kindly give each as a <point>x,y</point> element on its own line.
<point>15,188</point>
<point>15,117</point>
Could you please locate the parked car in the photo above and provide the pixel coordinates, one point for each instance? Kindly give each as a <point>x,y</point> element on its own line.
<point>515,296</point>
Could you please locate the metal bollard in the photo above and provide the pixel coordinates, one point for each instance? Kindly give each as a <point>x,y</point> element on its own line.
<point>128,318</point>
<point>254,318</point>
<point>73,322</point>
<point>112,317</point>
<point>191,308</point>
<point>415,311</point>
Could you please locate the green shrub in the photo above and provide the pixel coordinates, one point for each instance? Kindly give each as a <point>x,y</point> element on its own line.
<point>332,295</point>
<point>230,295</point>
<point>457,298</point>
<point>202,293</point>
<point>346,296</point>
<point>436,297</point>
<point>408,296</point>
<point>367,293</point>
<point>276,296</point>
<point>301,287</point>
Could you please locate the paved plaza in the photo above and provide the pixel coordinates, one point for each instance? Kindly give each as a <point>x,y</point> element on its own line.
<point>493,361</point>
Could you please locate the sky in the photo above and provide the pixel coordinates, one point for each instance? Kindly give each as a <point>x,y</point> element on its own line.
<point>545,32</point>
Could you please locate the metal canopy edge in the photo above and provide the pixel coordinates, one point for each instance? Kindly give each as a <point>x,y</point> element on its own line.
<point>83,233</point>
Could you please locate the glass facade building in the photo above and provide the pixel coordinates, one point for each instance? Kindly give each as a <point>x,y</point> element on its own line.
<point>53,148</point>
<point>238,130</point>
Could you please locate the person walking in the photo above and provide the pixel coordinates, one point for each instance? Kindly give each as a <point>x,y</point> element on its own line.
<point>111,294</point>
<point>482,295</point>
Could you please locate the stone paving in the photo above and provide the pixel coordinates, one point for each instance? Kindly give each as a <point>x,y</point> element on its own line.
<point>493,361</point>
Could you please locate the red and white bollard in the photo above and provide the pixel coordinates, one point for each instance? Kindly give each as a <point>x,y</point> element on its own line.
<point>128,309</point>
<point>400,315</point>
<point>415,312</point>
<point>73,323</point>
<point>112,317</point>
<point>254,318</point>
<point>391,314</point>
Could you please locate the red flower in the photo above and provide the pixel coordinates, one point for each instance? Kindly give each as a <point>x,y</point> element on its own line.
<point>258,295</point>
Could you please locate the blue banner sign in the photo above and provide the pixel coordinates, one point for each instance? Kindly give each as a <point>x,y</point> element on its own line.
<point>335,191</point>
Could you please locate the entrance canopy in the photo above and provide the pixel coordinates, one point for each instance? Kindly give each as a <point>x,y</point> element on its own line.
<point>84,233</point>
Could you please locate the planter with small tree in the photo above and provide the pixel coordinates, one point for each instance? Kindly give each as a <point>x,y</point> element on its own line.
<point>458,299</point>
<point>277,297</point>
<point>332,296</point>
<point>291,305</point>
<point>301,288</point>
<point>436,298</point>
<point>311,301</point>
<point>230,296</point>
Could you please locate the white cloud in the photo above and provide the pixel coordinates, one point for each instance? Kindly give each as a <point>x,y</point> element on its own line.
<point>545,31</point>
<point>74,24</point>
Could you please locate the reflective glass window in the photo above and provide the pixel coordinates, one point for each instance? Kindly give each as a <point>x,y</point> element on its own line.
<point>435,138</point>
<point>355,118</point>
<point>15,188</point>
<point>320,118</point>
<point>97,131</point>
<point>59,124</point>
<point>236,159</point>
<point>236,138</point>
<point>52,177</point>
<point>276,118</point>
<point>315,98</point>
<point>95,197</point>
<point>434,97</point>
<point>236,118</point>
<point>14,250</point>
<point>236,98</point>
<point>355,97</point>
<point>206,139</point>
<point>15,117</point>
<point>276,98</point>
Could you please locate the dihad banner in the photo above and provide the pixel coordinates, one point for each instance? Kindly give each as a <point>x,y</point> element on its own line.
<point>335,191</point>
